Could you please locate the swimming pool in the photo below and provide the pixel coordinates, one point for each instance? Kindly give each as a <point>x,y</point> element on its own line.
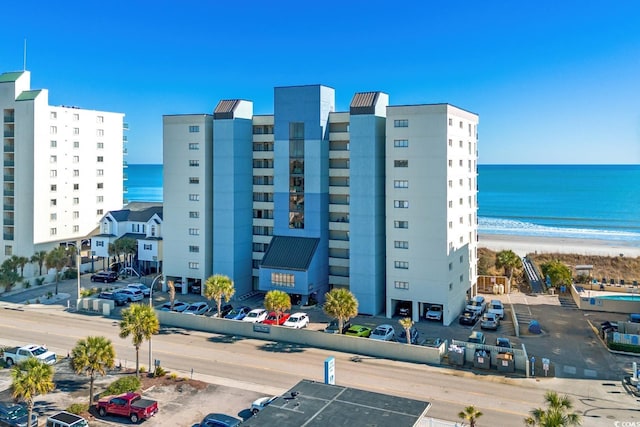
<point>621,297</point>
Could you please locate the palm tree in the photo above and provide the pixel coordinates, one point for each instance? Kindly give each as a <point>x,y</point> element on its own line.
<point>471,414</point>
<point>57,258</point>
<point>218,287</point>
<point>92,356</point>
<point>556,414</point>
<point>8,275</point>
<point>21,261</point>
<point>139,321</point>
<point>39,258</point>
<point>277,301</point>
<point>406,324</point>
<point>508,260</point>
<point>129,248</point>
<point>341,304</point>
<point>31,378</point>
<point>172,292</point>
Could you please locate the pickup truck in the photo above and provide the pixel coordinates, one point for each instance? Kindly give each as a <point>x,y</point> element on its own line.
<point>15,355</point>
<point>130,405</point>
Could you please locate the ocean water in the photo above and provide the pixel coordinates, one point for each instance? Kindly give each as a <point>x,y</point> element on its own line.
<point>578,201</point>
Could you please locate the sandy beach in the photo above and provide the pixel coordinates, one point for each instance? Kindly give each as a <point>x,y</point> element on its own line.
<point>523,245</point>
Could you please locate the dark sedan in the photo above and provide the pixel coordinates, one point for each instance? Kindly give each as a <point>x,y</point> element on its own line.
<point>468,317</point>
<point>117,297</point>
<point>105,277</point>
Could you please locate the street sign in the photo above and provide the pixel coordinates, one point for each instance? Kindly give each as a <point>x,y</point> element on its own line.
<point>330,370</point>
<point>545,366</point>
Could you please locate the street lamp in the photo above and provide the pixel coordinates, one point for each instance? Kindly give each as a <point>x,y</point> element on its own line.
<point>155,279</point>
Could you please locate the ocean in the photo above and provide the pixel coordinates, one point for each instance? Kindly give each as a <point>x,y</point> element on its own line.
<point>571,201</point>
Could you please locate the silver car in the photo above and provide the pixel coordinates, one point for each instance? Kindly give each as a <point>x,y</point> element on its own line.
<point>490,321</point>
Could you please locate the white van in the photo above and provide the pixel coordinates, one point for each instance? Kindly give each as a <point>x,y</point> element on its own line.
<point>66,419</point>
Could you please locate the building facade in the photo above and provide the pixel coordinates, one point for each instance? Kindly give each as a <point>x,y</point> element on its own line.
<point>380,199</point>
<point>62,168</point>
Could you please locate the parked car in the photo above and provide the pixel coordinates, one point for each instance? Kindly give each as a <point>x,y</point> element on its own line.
<point>274,319</point>
<point>104,277</point>
<point>224,309</point>
<point>117,297</point>
<point>402,336</point>
<point>403,309</point>
<point>477,304</point>
<point>256,315</point>
<point>383,333</point>
<point>496,307</point>
<point>358,331</point>
<point>261,403</point>
<point>432,342</point>
<point>434,312</point>
<point>468,317</point>
<point>297,321</point>
<point>66,419</point>
<point>14,355</point>
<point>178,306</point>
<point>504,343</point>
<point>220,420</point>
<point>15,415</point>
<point>332,327</point>
<point>490,321</point>
<point>477,337</point>
<point>146,291</point>
<point>130,294</point>
<point>197,308</point>
<point>238,313</point>
<point>130,405</point>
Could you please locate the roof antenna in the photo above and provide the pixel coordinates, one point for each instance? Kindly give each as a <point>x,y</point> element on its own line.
<point>24,59</point>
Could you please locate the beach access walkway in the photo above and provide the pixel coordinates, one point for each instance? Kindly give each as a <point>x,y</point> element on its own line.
<point>533,277</point>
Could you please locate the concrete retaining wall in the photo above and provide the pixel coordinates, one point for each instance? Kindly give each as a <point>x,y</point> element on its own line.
<point>305,337</point>
<point>584,301</point>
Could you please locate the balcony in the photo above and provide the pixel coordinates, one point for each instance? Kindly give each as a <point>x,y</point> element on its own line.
<point>9,178</point>
<point>9,163</point>
<point>8,236</point>
<point>125,126</point>
<point>9,193</point>
<point>9,118</point>
<point>8,207</point>
<point>9,134</point>
<point>8,221</point>
<point>9,148</point>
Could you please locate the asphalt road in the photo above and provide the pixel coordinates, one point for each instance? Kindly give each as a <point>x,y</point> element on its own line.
<point>267,367</point>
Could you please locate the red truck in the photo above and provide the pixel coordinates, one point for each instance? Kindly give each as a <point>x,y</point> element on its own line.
<point>130,405</point>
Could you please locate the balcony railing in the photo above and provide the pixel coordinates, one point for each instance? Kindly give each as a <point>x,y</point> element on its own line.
<point>9,148</point>
<point>9,207</point>
<point>9,193</point>
<point>125,126</point>
<point>9,178</point>
<point>9,163</point>
<point>8,222</point>
<point>9,118</point>
<point>9,134</point>
<point>8,236</point>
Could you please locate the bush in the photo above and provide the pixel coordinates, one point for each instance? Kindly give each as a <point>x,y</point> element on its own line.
<point>122,385</point>
<point>70,273</point>
<point>630,348</point>
<point>27,285</point>
<point>40,281</point>
<point>78,408</point>
<point>159,372</point>
<point>173,376</point>
<point>142,369</point>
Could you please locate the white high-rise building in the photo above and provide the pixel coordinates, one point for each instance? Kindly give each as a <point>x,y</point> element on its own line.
<point>62,168</point>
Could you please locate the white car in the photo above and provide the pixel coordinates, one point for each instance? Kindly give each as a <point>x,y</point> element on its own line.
<point>434,312</point>
<point>477,304</point>
<point>496,307</point>
<point>297,321</point>
<point>178,306</point>
<point>131,294</point>
<point>383,333</point>
<point>197,308</point>
<point>146,291</point>
<point>256,315</point>
<point>259,404</point>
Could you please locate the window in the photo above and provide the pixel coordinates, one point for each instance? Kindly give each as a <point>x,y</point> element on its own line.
<point>460,162</point>
<point>403,265</point>
<point>76,172</point>
<point>76,200</point>
<point>54,143</point>
<point>450,203</point>
<point>450,163</point>
<point>460,144</point>
<point>283,280</point>
<point>460,201</point>
<point>147,247</point>
<point>53,187</point>
<point>76,144</point>
<point>401,143</point>
<point>99,119</point>
<point>53,159</point>
<point>194,180</point>
<point>76,159</point>
<point>194,146</point>
<point>53,231</point>
<point>99,132</point>
<point>76,214</point>
<point>194,249</point>
<point>461,278</point>
<point>53,202</point>
<point>194,197</point>
<point>100,212</point>
<point>400,183</point>
<point>53,216</point>
<point>450,184</point>
<point>76,131</point>
<point>194,129</point>
<point>76,117</point>
<point>8,250</point>
<point>100,185</point>
<point>53,130</point>
<point>450,225</point>
<point>450,266</point>
<point>194,163</point>
<point>401,163</point>
<point>53,173</point>
<point>401,204</point>
<point>450,142</point>
<point>100,145</point>
<point>100,159</point>
<point>53,115</point>
<point>461,258</point>
<point>76,228</point>
<point>100,172</point>
<point>460,124</point>
<point>404,123</point>
<point>400,224</point>
<point>401,244</point>
<point>450,122</point>
<point>76,186</point>
<point>401,285</point>
<point>194,231</point>
<point>100,243</point>
<point>194,214</point>
<point>194,265</point>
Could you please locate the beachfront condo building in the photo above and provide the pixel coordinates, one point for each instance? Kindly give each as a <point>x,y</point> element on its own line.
<point>62,169</point>
<point>379,199</point>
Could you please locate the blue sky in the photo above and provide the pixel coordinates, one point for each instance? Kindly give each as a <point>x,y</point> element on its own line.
<point>553,82</point>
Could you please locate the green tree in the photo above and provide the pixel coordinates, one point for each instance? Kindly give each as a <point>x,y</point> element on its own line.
<point>471,414</point>
<point>21,261</point>
<point>39,258</point>
<point>8,275</point>
<point>406,324</point>
<point>278,302</point>
<point>57,258</point>
<point>140,322</point>
<point>558,272</point>
<point>31,378</point>
<point>341,304</point>
<point>93,356</point>
<point>557,413</point>
<point>129,248</point>
<point>217,288</point>
<point>508,260</point>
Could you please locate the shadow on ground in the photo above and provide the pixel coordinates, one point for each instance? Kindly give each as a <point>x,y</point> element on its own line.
<point>282,347</point>
<point>225,339</point>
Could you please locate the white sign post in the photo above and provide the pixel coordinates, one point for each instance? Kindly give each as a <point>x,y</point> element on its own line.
<point>545,366</point>
<point>330,370</point>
